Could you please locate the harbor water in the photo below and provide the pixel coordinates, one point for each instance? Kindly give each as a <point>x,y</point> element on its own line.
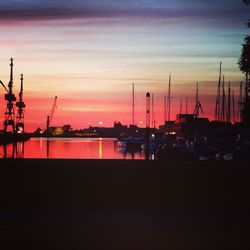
<point>69,148</point>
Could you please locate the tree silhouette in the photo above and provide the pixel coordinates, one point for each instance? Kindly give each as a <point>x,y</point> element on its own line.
<point>244,65</point>
<point>244,60</point>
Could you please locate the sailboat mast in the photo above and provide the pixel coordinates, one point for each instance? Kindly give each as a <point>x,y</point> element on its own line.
<point>181,106</point>
<point>217,106</point>
<point>223,100</point>
<point>229,104</point>
<point>186,105</point>
<point>196,99</point>
<point>133,104</point>
<point>169,92</point>
<point>240,102</point>
<point>197,94</point>
<point>165,110</point>
<point>153,112</point>
<point>233,103</point>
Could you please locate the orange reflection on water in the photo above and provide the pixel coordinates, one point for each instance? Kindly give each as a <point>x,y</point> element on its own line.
<point>68,148</point>
<point>100,148</point>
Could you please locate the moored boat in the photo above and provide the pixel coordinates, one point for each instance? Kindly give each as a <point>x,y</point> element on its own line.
<point>130,141</point>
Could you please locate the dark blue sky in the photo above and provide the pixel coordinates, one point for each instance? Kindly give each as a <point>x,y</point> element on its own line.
<point>28,9</point>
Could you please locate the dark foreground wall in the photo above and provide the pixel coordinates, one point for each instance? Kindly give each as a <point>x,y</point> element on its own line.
<point>81,204</point>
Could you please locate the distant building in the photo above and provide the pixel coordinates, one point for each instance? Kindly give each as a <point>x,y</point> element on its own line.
<point>118,125</point>
<point>184,118</point>
<point>114,132</point>
<point>189,126</point>
<point>169,128</point>
<point>56,130</point>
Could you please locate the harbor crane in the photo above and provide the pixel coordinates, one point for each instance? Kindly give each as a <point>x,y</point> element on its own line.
<point>20,112</point>
<point>198,106</point>
<point>197,109</point>
<point>50,117</point>
<point>10,98</point>
<point>3,86</point>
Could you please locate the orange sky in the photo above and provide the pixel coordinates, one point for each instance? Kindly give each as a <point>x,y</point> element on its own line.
<point>90,60</point>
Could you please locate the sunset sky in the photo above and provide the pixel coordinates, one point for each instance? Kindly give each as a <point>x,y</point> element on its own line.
<point>89,52</point>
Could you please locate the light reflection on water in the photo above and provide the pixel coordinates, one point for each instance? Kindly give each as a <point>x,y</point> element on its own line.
<point>68,148</point>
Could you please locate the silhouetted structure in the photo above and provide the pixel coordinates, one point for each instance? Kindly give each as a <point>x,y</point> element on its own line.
<point>10,98</point>
<point>50,117</point>
<point>153,112</point>
<point>198,106</point>
<point>223,104</point>
<point>218,100</point>
<point>186,105</point>
<point>147,124</point>
<point>165,109</point>
<point>229,104</point>
<point>181,106</point>
<point>169,98</point>
<point>244,65</point>
<point>20,112</point>
<point>133,104</point>
<point>147,110</point>
<point>240,103</point>
<point>233,111</point>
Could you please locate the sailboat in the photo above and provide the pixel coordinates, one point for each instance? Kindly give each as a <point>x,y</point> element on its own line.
<point>133,140</point>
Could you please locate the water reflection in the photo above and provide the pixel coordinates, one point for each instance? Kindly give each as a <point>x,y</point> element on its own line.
<point>131,153</point>
<point>20,149</point>
<point>12,150</point>
<point>9,151</point>
<point>69,148</point>
<point>100,148</point>
<point>47,148</point>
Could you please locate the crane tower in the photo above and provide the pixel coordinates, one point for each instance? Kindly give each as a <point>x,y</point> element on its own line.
<point>20,112</point>
<point>198,106</point>
<point>10,98</point>
<point>50,117</point>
